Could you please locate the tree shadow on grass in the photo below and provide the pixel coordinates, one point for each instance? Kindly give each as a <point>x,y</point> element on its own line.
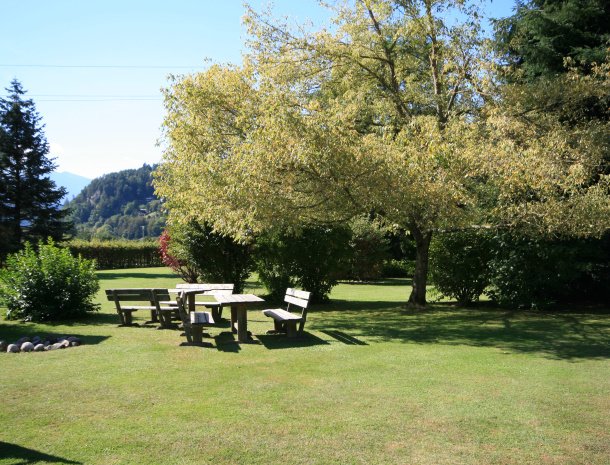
<point>23,456</point>
<point>109,275</point>
<point>394,282</point>
<point>564,335</point>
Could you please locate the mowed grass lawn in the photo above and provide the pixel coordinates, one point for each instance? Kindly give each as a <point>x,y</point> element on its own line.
<point>371,383</point>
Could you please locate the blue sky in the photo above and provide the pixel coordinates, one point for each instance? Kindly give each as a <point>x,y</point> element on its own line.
<point>105,62</point>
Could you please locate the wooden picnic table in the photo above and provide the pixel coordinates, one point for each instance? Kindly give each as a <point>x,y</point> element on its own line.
<point>237,302</point>
<point>239,312</point>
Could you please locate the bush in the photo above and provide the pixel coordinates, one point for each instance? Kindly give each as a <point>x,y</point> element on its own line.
<point>215,258</point>
<point>47,285</point>
<point>369,250</point>
<point>110,255</point>
<point>532,273</point>
<point>459,264</point>
<point>181,267</point>
<point>313,259</point>
<point>398,268</point>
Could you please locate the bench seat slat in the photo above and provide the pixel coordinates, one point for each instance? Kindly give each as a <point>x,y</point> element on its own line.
<point>280,314</point>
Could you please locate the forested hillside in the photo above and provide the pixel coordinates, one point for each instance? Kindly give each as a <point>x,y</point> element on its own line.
<point>119,205</point>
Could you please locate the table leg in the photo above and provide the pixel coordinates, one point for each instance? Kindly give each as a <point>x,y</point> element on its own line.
<point>242,323</point>
<point>191,299</point>
<point>233,318</point>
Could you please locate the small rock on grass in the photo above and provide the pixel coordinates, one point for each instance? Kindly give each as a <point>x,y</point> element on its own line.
<point>27,347</point>
<point>14,348</point>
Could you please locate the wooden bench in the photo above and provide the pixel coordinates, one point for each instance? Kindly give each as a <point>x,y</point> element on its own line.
<point>285,321</point>
<point>192,322</point>
<point>210,289</point>
<point>136,295</point>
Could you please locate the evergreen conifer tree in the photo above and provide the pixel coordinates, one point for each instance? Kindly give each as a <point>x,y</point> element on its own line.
<point>30,202</point>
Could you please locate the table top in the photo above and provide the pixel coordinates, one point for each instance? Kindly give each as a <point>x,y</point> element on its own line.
<point>237,298</point>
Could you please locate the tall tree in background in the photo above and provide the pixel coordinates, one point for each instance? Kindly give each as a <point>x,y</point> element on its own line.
<point>323,127</point>
<point>30,203</point>
<point>393,111</point>
<point>541,34</point>
<point>556,63</point>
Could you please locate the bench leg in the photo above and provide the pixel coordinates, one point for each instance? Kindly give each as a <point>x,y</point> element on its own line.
<point>291,328</point>
<point>197,334</point>
<point>127,318</point>
<point>279,326</point>
<point>154,318</point>
<point>216,313</point>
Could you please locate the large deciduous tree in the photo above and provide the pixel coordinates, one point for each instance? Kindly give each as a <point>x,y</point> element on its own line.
<point>30,202</point>
<point>383,113</point>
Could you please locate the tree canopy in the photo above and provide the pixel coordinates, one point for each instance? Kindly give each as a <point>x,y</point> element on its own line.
<point>396,110</point>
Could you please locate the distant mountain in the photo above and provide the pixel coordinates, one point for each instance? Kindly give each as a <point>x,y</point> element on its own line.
<point>72,182</point>
<point>119,205</point>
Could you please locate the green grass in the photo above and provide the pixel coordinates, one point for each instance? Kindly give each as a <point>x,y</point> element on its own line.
<point>372,383</point>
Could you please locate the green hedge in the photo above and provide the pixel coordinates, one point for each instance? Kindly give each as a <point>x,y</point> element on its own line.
<point>118,254</point>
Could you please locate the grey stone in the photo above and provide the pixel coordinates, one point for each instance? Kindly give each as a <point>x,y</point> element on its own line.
<point>57,345</point>
<point>14,348</point>
<point>73,339</point>
<point>75,343</point>
<point>21,340</point>
<point>27,347</point>
<point>36,340</point>
<point>3,346</point>
<point>38,347</point>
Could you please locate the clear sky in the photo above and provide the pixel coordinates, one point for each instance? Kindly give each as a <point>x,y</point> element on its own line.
<point>95,68</point>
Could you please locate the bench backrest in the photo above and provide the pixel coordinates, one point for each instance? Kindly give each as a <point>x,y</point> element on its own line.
<point>210,289</point>
<point>298,298</point>
<point>130,295</point>
<point>153,296</point>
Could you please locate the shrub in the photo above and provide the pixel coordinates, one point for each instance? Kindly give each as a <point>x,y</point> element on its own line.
<point>312,258</point>
<point>179,266</point>
<point>369,250</point>
<point>459,264</point>
<point>532,273</point>
<point>214,257</point>
<point>116,254</point>
<point>398,268</point>
<point>47,285</point>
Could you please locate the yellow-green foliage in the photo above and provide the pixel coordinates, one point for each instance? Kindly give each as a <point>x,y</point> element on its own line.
<point>394,111</point>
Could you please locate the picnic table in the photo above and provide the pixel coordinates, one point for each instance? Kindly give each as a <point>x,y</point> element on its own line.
<point>239,312</point>
<point>237,302</point>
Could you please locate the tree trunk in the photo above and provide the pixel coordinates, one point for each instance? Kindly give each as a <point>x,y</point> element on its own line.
<point>420,277</point>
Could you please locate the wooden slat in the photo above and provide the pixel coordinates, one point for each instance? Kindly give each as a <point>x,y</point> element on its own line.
<point>237,298</point>
<point>296,301</point>
<point>280,314</point>
<point>221,287</point>
<point>191,286</point>
<point>298,293</point>
<point>129,294</point>
<point>205,285</point>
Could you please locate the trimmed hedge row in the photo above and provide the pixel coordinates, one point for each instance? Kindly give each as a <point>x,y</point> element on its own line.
<point>118,254</point>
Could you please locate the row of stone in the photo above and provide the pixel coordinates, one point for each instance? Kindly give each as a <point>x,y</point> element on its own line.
<point>38,344</point>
